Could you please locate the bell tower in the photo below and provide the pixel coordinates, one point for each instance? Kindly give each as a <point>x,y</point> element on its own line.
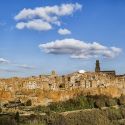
<point>97,67</point>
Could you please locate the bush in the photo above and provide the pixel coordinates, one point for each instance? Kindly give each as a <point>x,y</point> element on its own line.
<point>17,117</point>
<point>0,109</point>
<point>56,119</point>
<point>7,120</point>
<point>94,117</point>
<point>121,100</point>
<point>29,103</point>
<point>40,108</point>
<point>91,102</point>
<point>111,102</point>
<point>80,102</point>
<point>114,114</point>
<point>99,103</point>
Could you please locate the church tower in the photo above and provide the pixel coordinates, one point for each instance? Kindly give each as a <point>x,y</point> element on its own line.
<point>97,67</point>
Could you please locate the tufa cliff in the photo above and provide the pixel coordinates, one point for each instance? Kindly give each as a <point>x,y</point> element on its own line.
<point>44,89</point>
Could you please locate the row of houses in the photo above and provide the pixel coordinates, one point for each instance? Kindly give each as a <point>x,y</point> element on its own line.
<point>55,82</point>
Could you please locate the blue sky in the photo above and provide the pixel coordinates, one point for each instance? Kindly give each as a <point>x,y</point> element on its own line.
<point>90,23</point>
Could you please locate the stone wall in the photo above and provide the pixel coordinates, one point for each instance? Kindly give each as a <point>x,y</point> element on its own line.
<point>48,88</point>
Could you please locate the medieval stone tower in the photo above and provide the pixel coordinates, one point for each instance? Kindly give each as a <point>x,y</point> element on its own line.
<point>97,67</point>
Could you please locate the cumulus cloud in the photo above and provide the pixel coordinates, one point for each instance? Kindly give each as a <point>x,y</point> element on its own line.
<point>79,49</point>
<point>34,24</point>
<point>3,61</point>
<point>48,14</point>
<point>64,31</point>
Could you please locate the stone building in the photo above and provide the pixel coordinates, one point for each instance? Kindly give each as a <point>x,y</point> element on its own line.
<point>39,88</point>
<point>98,69</point>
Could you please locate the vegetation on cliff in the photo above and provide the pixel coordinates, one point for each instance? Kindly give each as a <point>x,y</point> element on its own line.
<point>82,110</point>
<point>80,102</point>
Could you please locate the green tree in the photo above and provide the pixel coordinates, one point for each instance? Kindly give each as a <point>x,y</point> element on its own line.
<point>0,109</point>
<point>121,100</point>
<point>17,117</point>
<point>29,103</point>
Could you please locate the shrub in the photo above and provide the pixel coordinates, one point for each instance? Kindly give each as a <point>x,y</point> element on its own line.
<point>17,117</point>
<point>91,102</point>
<point>7,120</point>
<point>114,114</point>
<point>94,117</point>
<point>99,103</point>
<point>121,100</point>
<point>111,102</point>
<point>0,109</point>
<point>29,103</point>
<point>40,109</point>
<point>80,102</point>
<point>56,119</point>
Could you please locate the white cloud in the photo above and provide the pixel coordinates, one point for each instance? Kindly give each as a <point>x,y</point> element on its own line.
<point>79,49</point>
<point>48,14</point>
<point>7,62</point>
<point>8,71</point>
<point>64,31</point>
<point>26,66</point>
<point>34,24</point>
<point>3,61</point>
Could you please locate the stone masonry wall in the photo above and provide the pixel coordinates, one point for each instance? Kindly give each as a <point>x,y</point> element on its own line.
<point>48,88</point>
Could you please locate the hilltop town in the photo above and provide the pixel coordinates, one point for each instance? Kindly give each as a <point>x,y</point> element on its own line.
<point>43,89</point>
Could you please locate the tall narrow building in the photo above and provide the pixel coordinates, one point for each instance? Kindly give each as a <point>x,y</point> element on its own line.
<point>97,67</point>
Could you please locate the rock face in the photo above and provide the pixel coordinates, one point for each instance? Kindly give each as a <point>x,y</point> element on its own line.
<point>50,88</point>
